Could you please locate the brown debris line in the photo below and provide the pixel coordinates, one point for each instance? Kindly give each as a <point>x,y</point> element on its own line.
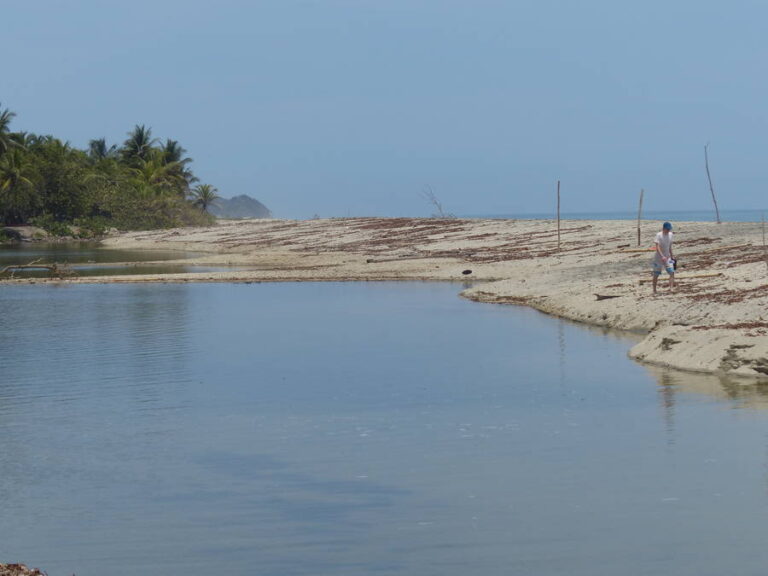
<point>736,326</point>
<point>704,240</point>
<point>723,250</point>
<point>481,236</point>
<point>709,258</point>
<point>19,570</point>
<point>388,235</point>
<point>500,253</point>
<point>751,258</point>
<point>411,223</point>
<point>731,296</point>
<point>553,233</point>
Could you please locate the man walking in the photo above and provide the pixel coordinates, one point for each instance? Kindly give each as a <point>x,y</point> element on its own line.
<point>662,257</point>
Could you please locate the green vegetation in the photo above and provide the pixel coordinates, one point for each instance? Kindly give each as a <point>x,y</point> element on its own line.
<point>141,184</point>
<point>204,196</point>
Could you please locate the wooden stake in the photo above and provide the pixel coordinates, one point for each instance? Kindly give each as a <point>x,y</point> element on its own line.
<point>765,251</point>
<point>639,213</point>
<point>711,189</point>
<point>558,215</point>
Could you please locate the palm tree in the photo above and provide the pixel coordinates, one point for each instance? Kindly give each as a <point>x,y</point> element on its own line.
<point>98,149</point>
<point>139,144</point>
<point>6,141</point>
<point>16,188</point>
<point>204,195</point>
<point>22,139</point>
<point>173,154</point>
<point>153,173</point>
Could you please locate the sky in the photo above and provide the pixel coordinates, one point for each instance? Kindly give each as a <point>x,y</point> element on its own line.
<point>356,107</point>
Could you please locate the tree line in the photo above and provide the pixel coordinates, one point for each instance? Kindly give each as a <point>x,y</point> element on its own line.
<point>143,183</point>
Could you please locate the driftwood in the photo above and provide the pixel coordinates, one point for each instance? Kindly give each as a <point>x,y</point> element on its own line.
<point>54,269</point>
<point>599,297</point>
<point>637,250</point>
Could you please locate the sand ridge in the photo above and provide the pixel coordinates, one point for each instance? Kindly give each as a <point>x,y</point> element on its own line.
<point>716,321</point>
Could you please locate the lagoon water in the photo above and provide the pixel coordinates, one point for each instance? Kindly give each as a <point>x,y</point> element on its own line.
<point>88,259</point>
<point>349,429</point>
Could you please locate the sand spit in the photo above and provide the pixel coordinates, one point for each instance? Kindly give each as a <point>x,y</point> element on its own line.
<point>716,321</point>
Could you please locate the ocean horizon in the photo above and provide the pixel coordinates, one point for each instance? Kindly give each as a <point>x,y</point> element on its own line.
<point>678,215</point>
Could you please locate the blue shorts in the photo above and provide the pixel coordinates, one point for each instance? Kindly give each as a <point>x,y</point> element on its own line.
<point>658,267</point>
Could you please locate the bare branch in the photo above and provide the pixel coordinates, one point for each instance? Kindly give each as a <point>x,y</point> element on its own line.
<point>429,195</point>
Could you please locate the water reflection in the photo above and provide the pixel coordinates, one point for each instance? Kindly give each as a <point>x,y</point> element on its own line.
<point>667,400</point>
<point>739,393</point>
<point>561,349</point>
<point>87,259</point>
<point>345,429</point>
<point>81,253</point>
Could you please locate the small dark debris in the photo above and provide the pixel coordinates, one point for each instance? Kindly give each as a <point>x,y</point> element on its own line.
<point>667,343</point>
<point>599,297</point>
<point>465,272</point>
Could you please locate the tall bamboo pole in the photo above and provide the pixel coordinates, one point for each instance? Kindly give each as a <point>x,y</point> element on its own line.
<point>711,188</point>
<point>765,250</point>
<point>639,213</point>
<point>558,215</point>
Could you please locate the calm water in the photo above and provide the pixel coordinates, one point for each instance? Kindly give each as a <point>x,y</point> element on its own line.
<point>87,259</point>
<point>348,429</point>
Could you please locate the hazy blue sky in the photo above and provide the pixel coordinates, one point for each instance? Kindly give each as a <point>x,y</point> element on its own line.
<point>352,107</point>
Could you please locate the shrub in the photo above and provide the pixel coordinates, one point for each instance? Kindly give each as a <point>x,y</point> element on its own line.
<point>51,226</point>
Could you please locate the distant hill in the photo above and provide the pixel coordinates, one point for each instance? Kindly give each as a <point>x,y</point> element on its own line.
<point>242,206</point>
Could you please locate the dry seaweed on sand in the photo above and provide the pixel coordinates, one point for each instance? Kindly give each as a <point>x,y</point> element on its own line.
<point>19,570</point>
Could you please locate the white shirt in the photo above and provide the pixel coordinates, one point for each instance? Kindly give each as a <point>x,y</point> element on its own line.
<point>665,242</point>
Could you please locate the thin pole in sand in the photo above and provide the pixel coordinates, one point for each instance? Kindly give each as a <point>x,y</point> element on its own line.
<point>639,212</point>
<point>558,215</point>
<point>765,251</point>
<point>711,189</point>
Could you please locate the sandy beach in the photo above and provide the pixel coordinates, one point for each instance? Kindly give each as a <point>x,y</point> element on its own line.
<point>716,320</point>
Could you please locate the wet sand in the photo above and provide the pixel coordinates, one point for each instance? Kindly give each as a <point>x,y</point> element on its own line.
<point>716,321</point>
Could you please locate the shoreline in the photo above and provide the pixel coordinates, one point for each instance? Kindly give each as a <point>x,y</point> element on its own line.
<point>716,322</point>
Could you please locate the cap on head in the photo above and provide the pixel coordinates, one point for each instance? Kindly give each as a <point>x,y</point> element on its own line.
<point>667,226</point>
